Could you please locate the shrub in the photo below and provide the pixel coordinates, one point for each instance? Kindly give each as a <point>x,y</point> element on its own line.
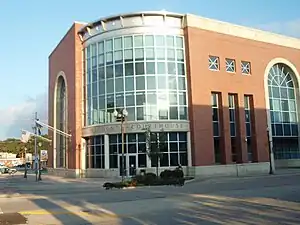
<point>166,174</point>
<point>169,174</point>
<point>147,179</point>
<point>119,185</point>
<point>150,178</point>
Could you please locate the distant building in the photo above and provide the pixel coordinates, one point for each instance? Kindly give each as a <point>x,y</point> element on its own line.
<point>216,89</point>
<point>10,159</point>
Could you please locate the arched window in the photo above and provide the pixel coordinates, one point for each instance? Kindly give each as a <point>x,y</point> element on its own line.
<point>61,122</point>
<point>283,111</point>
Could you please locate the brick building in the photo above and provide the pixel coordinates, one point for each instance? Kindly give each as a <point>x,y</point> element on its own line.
<point>214,89</point>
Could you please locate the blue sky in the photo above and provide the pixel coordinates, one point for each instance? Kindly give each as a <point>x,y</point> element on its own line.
<point>31,29</point>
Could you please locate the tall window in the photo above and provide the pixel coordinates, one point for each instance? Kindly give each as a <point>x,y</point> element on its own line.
<point>283,112</point>
<point>232,99</point>
<point>173,154</point>
<point>61,118</point>
<point>216,126</point>
<point>248,124</point>
<point>143,73</point>
<point>95,151</point>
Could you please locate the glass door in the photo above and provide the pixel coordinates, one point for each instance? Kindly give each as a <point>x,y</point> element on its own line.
<point>132,165</point>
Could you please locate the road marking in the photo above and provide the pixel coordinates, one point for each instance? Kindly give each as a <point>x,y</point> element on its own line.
<point>94,213</point>
<point>1,212</point>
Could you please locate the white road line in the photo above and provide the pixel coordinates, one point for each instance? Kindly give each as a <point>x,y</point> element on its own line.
<point>1,212</point>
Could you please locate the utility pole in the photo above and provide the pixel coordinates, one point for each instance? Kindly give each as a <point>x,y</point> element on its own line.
<point>36,148</point>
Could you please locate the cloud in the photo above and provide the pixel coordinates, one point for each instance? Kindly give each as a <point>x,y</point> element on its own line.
<point>21,116</point>
<point>289,28</point>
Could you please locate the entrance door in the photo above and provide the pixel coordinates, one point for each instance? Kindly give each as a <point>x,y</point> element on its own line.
<point>121,169</point>
<point>132,165</point>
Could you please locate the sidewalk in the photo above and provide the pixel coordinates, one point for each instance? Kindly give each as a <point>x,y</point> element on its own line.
<point>277,173</point>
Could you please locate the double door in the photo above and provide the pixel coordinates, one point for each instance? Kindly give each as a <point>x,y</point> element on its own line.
<point>129,163</point>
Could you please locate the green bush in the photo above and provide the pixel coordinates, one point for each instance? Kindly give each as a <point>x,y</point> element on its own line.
<point>170,174</point>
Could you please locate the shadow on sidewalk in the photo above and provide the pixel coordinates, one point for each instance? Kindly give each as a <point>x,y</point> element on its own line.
<point>258,201</point>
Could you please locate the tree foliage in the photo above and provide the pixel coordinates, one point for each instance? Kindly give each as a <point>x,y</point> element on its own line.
<point>156,144</point>
<point>15,146</point>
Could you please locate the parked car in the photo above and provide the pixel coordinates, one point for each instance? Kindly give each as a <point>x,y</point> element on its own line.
<point>5,169</point>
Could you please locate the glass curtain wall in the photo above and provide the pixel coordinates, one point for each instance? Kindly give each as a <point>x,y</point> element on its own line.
<point>143,73</point>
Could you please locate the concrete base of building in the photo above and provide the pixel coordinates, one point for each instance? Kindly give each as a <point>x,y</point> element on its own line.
<point>63,172</point>
<point>198,171</point>
<point>287,163</point>
<point>230,170</point>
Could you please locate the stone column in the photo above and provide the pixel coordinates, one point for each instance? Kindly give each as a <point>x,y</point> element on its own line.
<point>106,151</point>
<point>189,149</point>
<point>83,153</point>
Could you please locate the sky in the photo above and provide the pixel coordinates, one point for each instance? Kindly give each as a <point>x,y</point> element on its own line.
<point>30,30</point>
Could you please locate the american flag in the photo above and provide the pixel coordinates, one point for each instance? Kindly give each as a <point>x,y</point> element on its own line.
<point>25,136</point>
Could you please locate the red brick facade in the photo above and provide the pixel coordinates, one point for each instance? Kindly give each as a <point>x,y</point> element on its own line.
<point>67,57</point>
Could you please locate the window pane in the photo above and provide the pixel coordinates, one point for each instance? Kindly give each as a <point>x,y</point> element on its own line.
<point>151,98</point>
<point>109,71</point>
<point>119,70</point>
<point>118,43</point>
<point>150,54</point>
<point>161,68</point>
<point>139,54</point>
<point>140,98</point>
<point>160,53</point>
<point>161,81</point>
<point>160,40</point>
<point>171,54</point>
<point>108,45</point>
<point>130,99</point>
<point>118,56</point>
<point>150,68</point>
<point>181,83</point>
<point>171,68</point>
<point>110,86</point>
<point>129,84</point>
<point>180,55</point>
<point>172,82</point>
<point>170,41</point>
<point>129,69</point>
<point>128,42</point>
<point>151,83</point>
<point>119,85</point>
<point>149,40</point>
<point>179,42</point>
<point>140,83</point>
<point>138,41</point>
<point>139,68</point>
<point>128,55</point>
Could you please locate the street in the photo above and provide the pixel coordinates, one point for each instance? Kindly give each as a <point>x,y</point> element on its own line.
<point>236,201</point>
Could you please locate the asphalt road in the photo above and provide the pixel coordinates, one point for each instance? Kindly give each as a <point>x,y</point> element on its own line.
<point>237,201</point>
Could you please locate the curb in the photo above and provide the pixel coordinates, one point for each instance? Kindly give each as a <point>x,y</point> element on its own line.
<point>237,178</point>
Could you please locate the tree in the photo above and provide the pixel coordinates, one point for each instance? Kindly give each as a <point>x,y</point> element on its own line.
<point>155,145</point>
<point>15,146</point>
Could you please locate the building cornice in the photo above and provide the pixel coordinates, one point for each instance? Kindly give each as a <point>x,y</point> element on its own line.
<point>241,31</point>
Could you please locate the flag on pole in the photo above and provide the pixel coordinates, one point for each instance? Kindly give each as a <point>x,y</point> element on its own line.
<point>25,136</point>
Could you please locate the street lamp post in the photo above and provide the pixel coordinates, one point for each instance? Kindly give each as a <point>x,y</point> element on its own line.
<point>121,116</point>
<point>40,174</point>
<point>25,172</point>
<point>270,153</point>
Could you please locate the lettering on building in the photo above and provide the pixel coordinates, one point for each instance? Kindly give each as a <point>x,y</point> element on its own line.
<point>136,128</point>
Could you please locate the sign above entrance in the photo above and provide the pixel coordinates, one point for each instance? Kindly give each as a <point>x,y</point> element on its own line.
<point>136,127</point>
